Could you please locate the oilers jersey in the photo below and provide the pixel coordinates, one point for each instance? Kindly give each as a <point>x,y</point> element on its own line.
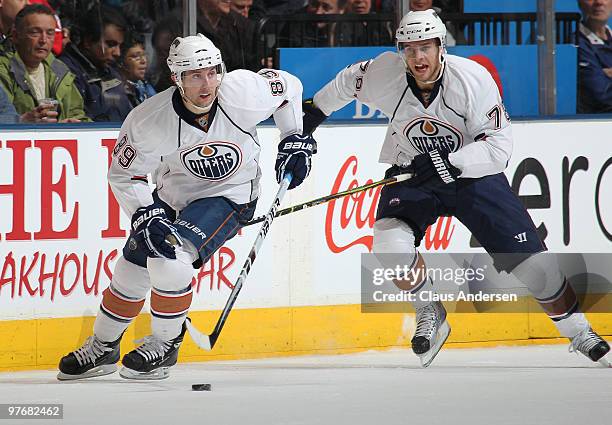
<point>193,157</point>
<point>465,114</point>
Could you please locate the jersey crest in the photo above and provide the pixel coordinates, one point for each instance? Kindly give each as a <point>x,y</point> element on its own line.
<point>213,161</point>
<point>426,134</point>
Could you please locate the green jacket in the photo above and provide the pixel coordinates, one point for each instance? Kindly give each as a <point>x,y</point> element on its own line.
<point>6,46</point>
<point>59,85</point>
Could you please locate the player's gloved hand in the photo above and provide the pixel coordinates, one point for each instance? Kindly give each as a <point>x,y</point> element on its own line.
<point>294,154</point>
<point>154,232</point>
<point>432,165</point>
<point>313,116</point>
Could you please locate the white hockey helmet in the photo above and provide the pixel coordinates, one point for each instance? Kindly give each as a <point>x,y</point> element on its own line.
<point>421,25</point>
<point>193,52</point>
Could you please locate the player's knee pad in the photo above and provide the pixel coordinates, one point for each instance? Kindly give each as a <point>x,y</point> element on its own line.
<point>172,292</point>
<point>172,274</point>
<point>394,248</point>
<point>541,274</point>
<point>122,301</point>
<point>393,236</point>
<point>554,293</point>
<point>393,243</point>
<point>130,279</point>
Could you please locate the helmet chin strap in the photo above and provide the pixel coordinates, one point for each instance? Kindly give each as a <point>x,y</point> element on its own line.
<point>442,63</point>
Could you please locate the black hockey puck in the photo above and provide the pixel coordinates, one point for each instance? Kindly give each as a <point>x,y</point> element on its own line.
<point>201,387</point>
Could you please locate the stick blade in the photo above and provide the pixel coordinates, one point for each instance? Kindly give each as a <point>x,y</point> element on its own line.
<point>200,339</point>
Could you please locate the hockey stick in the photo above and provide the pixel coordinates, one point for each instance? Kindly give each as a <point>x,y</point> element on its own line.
<point>207,342</point>
<point>324,199</point>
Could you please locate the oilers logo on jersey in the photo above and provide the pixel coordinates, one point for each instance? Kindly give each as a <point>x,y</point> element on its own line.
<point>426,134</point>
<point>213,161</point>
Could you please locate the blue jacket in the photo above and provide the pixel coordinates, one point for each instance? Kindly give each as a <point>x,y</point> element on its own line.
<point>139,91</point>
<point>8,114</point>
<point>594,86</point>
<point>103,93</point>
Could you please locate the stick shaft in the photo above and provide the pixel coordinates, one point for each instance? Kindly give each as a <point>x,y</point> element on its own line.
<point>331,197</point>
<point>246,268</point>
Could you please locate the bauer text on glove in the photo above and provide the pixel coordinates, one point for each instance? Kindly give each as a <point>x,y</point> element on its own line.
<point>294,156</point>
<point>153,231</point>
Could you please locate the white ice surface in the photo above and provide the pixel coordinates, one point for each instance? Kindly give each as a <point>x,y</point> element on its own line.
<point>497,386</point>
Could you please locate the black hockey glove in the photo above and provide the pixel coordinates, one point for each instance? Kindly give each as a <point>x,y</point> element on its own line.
<point>153,232</point>
<point>432,165</point>
<point>294,154</point>
<point>313,116</point>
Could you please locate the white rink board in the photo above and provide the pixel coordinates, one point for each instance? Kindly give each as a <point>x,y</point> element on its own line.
<point>309,258</point>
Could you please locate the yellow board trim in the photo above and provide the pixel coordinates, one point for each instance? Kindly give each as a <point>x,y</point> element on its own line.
<point>284,331</point>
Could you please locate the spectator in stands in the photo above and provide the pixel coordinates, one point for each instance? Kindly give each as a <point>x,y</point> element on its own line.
<point>262,8</point>
<point>8,11</point>
<point>231,32</point>
<point>32,75</point>
<point>140,14</point>
<point>242,7</point>
<point>595,57</point>
<point>8,114</point>
<point>164,33</point>
<point>326,7</point>
<point>134,68</point>
<point>58,44</point>
<point>428,4</point>
<point>100,33</point>
<point>361,7</point>
<point>324,34</point>
<point>144,13</point>
<point>365,33</point>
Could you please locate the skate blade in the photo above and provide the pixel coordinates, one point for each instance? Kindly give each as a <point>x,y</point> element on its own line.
<point>154,375</point>
<point>605,362</point>
<point>441,337</point>
<point>106,369</point>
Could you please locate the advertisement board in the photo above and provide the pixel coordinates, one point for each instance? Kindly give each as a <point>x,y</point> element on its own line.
<point>62,232</point>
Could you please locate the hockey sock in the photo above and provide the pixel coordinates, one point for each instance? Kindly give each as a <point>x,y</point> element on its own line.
<point>168,311</point>
<point>554,293</point>
<point>116,313</point>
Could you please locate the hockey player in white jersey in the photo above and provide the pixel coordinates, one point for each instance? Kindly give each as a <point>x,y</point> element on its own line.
<point>199,141</point>
<point>449,127</point>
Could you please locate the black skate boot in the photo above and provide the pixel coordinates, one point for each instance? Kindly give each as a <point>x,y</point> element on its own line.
<point>152,359</point>
<point>431,333</point>
<point>591,345</point>
<point>94,358</point>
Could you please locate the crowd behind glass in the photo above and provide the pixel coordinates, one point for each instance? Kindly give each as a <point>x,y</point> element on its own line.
<point>89,60</point>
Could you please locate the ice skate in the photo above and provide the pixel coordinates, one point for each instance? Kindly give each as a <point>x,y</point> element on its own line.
<point>431,332</point>
<point>94,358</point>
<point>152,359</point>
<point>591,345</point>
